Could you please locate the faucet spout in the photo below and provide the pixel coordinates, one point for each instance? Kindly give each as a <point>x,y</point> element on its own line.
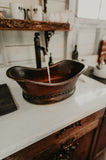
<point>44,50</point>
<point>38,49</point>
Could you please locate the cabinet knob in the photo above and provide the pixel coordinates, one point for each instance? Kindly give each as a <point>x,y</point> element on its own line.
<point>70,145</point>
<point>71,126</point>
<point>78,123</point>
<point>60,133</point>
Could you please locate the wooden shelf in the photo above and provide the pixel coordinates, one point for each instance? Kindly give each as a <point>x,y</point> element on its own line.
<point>16,24</point>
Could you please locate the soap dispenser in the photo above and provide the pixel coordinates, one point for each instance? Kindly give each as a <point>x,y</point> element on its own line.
<point>50,60</point>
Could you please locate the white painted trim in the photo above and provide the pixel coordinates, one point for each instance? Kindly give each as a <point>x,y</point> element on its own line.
<point>5,61</point>
<point>91,22</point>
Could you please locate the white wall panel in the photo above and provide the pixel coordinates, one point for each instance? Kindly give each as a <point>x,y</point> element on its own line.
<point>29,3</point>
<point>20,53</point>
<point>19,45</point>
<point>1,56</point>
<point>86,41</point>
<point>103,36</point>
<point>18,37</point>
<point>26,4</point>
<point>5,3</point>
<point>56,6</point>
<point>56,45</point>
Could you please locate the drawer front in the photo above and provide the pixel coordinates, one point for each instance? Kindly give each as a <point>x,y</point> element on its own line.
<point>49,145</point>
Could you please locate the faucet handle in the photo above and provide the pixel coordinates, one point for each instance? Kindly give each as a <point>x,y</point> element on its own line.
<point>44,50</point>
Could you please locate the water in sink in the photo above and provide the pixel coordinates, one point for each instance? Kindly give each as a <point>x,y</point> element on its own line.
<point>48,69</point>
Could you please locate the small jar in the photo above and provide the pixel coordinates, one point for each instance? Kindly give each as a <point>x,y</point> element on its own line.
<point>36,12</point>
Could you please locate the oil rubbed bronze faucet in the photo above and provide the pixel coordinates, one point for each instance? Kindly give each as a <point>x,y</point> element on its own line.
<point>38,49</point>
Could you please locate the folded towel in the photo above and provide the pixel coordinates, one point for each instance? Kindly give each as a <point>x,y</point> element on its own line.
<point>7,103</point>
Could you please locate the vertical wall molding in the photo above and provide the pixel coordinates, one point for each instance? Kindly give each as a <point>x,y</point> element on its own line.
<point>71,38</point>
<point>66,33</point>
<point>4,54</point>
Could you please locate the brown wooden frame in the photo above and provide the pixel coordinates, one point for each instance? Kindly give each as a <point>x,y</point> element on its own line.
<point>16,24</point>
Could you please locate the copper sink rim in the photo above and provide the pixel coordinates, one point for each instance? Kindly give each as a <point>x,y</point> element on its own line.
<point>42,83</point>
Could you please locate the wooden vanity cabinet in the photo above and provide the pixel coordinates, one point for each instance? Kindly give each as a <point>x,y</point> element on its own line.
<point>101,140</point>
<point>75,142</point>
<point>82,151</point>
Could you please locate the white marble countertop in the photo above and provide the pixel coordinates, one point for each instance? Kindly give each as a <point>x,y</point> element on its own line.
<point>30,123</point>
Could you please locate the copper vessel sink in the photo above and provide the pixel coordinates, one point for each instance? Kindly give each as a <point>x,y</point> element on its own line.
<point>35,85</point>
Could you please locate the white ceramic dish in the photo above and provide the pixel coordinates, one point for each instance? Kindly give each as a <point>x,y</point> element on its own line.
<point>101,73</point>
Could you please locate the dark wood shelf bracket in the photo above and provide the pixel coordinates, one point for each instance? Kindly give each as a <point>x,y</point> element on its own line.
<point>45,6</point>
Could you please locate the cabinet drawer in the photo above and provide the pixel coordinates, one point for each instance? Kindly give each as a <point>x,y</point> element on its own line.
<point>85,124</point>
<point>49,145</point>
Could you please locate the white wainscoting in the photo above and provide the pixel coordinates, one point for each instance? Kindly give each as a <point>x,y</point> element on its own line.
<point>18,46</point>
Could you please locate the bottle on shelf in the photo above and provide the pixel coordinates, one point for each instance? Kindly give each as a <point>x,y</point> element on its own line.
<point>50,60</point>
<point>75,53</point>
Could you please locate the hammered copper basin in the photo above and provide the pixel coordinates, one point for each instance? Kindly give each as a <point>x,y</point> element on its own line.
<point>35,85</point>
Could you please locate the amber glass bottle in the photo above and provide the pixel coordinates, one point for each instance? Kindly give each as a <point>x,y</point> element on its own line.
<point>75,53</point>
